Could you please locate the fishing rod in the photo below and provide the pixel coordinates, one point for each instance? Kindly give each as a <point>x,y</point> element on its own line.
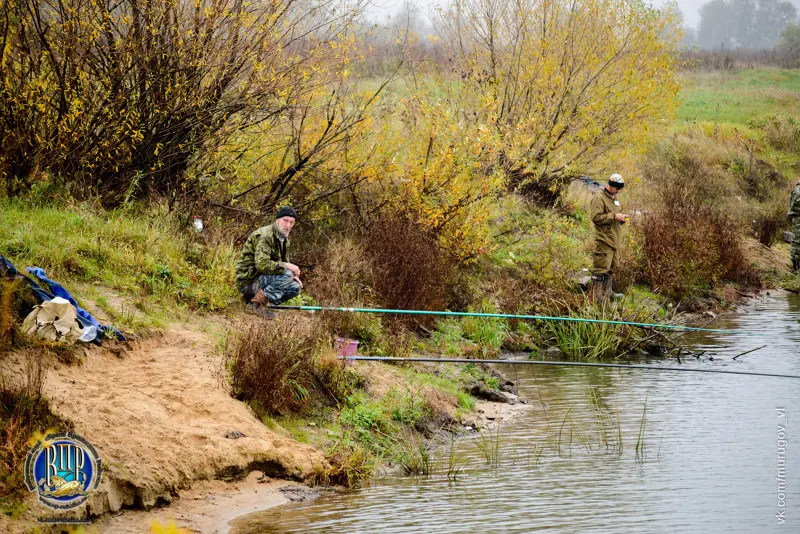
<point>515,316</point>
<point>561,363</point>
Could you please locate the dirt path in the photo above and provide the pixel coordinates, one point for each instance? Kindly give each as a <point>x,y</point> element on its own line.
<point>158,418</point>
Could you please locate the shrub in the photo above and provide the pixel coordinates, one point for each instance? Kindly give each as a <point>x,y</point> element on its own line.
<point>336,379</point>
<point>411,269</point>
<point>126,114</point>
<point>689,241</point>
<point>769,220</point>
<point>343,274</point>
<point>781,131</point>
<point>272,365</point>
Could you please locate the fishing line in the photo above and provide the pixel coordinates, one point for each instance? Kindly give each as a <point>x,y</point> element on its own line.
<point>560,363</point>
<point>515,316</point>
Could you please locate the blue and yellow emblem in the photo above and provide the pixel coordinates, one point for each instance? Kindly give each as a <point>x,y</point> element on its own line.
<point>63,469</point>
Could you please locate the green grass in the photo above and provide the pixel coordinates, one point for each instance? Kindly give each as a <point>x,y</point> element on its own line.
<point>740,96</point>
<point>138,254</point>
<point>791,282</point>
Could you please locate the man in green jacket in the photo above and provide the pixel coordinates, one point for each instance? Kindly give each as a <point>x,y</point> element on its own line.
<point>794,215</point>
<point>263,272</point>
<point>608,218</point>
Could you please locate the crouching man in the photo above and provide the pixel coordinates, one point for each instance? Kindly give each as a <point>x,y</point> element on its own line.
<point>264,274</point>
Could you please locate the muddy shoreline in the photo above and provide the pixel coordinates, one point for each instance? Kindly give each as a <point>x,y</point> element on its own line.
<point>209,506</point>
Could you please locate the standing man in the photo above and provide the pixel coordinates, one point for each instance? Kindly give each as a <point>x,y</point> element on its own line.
<point>263,272</point>
<point>608,218</point>
<point>794,215</point>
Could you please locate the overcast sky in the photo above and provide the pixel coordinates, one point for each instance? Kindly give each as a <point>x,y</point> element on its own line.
<point>383,8</point>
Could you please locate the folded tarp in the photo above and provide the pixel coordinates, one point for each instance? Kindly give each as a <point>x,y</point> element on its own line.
<point>85,317</point>
<point>57,290</point>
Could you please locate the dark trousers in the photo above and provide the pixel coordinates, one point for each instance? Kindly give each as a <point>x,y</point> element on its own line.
<point>277,287</point>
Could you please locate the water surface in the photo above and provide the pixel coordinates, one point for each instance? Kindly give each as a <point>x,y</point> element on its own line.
<point>707,461</point>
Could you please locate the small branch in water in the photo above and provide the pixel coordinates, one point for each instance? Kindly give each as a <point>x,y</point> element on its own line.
<point>749,351</point>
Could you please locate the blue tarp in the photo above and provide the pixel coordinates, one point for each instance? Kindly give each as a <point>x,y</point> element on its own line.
<point>6,267</point>
<point>85,317</point>
<point>57,290</point>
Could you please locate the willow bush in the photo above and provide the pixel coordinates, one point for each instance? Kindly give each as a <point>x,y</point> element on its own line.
<point>119,98</point>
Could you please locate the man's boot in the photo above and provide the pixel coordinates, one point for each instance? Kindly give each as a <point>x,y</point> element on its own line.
<point>609,290</point>
<point>598,289</point>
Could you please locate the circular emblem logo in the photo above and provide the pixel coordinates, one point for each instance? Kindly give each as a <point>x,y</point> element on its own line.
<point>62,469</point>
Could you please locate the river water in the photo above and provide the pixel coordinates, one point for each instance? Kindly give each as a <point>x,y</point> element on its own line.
<point>713,452</point>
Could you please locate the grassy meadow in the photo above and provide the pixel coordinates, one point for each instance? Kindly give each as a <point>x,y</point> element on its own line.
<point>737,97</point>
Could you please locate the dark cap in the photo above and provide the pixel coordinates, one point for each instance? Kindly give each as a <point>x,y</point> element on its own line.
<point>286,211</point>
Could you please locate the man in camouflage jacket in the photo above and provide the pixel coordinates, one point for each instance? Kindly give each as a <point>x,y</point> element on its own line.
<point>794,215</point>
<point>263,272</point>
<point>608,218</point>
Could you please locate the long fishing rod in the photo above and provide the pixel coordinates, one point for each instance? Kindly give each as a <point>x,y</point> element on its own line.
<point>575,364</point>
<point>515,316</point>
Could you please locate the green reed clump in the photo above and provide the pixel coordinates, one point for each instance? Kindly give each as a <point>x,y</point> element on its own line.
<point>352,464</point>
<point>593,341</point>
<point>457,461</point>
<point>490,445</point>
<point>413,455</point>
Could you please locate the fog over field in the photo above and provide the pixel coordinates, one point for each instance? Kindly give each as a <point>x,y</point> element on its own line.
<point>721,29</point>
<point>381,9</point>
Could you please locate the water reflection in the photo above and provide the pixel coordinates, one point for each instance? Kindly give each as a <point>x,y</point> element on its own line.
<point>710,460</point>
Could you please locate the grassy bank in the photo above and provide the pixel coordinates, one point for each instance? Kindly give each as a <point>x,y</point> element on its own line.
<point>149,257</point>
<point>744,125</point>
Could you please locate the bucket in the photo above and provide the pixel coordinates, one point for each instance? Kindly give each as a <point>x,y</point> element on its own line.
<point>346,347</point>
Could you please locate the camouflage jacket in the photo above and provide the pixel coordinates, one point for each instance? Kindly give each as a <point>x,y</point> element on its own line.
<point>794,202</point>
<point>262,253</point>
<point>603,211</point>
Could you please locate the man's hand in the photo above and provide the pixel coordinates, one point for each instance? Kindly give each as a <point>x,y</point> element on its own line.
<point>296,279</point>
<point>621,217</point>
<point>294,268</point>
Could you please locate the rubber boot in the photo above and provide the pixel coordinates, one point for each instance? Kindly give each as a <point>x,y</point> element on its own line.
<point>609,292</point>
<point>597,293</point>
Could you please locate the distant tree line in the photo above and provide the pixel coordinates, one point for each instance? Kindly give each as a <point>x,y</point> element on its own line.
<point>742,24</point>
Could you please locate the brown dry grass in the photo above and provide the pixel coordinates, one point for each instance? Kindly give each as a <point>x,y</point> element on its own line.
<point>411,269</point>
<point>23,411</point>
<point>271,364</point>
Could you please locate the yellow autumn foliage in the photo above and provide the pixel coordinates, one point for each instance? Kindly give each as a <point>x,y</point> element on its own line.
<point>561,83</point>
